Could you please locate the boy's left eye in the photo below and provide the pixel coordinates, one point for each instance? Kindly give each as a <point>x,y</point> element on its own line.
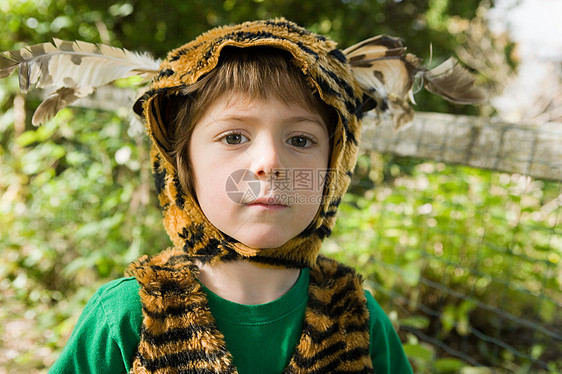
<point>300,141</point>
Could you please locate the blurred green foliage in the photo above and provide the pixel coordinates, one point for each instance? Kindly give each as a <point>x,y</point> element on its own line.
<point>77,202</point>
<point>74,212</point>
<point>454,250</point>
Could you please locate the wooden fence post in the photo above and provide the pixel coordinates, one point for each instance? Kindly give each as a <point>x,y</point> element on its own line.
<point>487,143</point>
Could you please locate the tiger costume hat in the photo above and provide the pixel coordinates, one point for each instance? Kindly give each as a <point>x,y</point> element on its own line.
<point>325,69</point>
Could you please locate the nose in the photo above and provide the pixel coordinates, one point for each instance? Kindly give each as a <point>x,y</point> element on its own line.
<point>267,155</point>
<point>268,172</point>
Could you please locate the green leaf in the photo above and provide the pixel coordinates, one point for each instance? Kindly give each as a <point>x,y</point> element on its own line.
<point>418,322</point>
<point>448,318</point>
<point>448,365</point>
<point>475,370</point>
<point>411,274</point>
<point>418,352</point>
<point>548,310</point>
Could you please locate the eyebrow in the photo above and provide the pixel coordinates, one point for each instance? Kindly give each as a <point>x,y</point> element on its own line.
<point>312,119</point>
<point>250,119</point>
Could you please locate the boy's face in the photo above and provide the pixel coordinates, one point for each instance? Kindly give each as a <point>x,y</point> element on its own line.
<point>258,168</point>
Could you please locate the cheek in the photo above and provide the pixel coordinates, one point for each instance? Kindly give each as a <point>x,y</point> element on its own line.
<point>209,181</point>
<point>196,167</point>
<point>213,200</point>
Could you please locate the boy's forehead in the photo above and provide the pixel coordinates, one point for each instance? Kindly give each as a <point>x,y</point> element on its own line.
<point>239,106</point>
<point>240,101</point>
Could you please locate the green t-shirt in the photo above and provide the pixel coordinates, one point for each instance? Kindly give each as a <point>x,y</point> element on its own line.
<point>107,334</point>
<point>261,338</point>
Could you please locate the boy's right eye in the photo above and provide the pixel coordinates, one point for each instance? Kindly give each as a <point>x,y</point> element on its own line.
<point>234,138</point>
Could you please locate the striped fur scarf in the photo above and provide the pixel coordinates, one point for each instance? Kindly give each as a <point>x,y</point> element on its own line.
<point>179,334</point>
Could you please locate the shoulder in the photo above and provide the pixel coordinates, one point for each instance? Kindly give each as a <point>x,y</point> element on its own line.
<point>107,333</point>
<point>331,271</point>
<point>379,322</point>
<point>120,301</point>
<point>377,314</point>
<point>121,292</point>
<point>118,288</point>
<point>386,348</point>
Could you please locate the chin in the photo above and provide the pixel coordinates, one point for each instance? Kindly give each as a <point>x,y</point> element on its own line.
<point>265,242</point>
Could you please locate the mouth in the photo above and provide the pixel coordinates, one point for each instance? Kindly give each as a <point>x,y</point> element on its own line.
<point>268,202</point>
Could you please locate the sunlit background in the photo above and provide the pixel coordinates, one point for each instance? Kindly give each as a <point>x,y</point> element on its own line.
<point>466,262</point>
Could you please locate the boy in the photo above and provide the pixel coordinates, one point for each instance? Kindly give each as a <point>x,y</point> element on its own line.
<point>244,290</point>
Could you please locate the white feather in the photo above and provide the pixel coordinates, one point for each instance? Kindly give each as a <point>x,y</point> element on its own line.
<point>79,66</point>
<point>56,101</point>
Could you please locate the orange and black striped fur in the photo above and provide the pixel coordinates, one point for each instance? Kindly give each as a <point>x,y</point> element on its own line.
<point>179,334</point>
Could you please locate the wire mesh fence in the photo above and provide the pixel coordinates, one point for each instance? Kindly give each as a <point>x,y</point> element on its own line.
<point>469,258</point>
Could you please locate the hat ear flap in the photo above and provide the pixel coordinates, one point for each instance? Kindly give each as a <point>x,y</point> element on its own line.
<point>138,106</point>
<point>160,112</point>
